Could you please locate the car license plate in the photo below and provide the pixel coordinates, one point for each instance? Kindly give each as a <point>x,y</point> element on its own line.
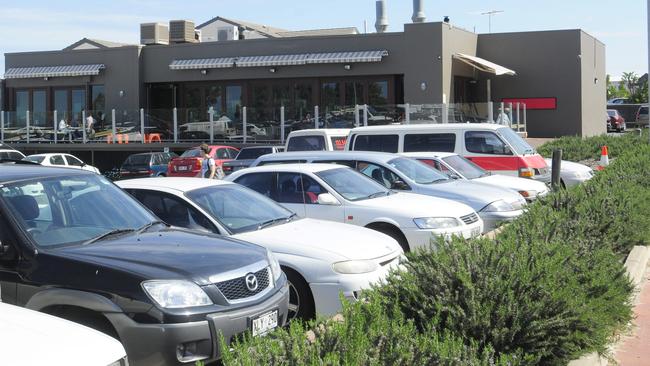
<point>476,232</point>
<point>265,323</point>
<point>182,167</point>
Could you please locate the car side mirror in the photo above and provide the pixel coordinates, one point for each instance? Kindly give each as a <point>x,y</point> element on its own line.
<point>327,199</point>
<point>400,185</point>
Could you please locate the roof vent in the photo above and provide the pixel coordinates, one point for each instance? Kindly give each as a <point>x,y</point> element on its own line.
<point>382,20</point>
<point>418,12</point>
<point>181,31</point>
<point>154,33</point>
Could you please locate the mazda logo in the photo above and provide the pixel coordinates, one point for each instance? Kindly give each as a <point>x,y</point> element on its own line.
<point>251,282</point>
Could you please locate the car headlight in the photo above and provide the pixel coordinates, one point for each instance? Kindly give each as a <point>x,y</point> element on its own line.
<point>498,206</point>
<point>528,194</point>
<point>275,266</point>
<point>355,267</point>
<point>583,175</point>
<point>172,294</point>
<point>436,222</point>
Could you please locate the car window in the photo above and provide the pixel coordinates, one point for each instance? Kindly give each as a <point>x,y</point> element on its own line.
<point>173,210</point>
<point>338,142</point>
<point>37,159</point>
<point>233,153</point>
<point>444,142</point>
<point>73,161</point>
<point>349,163</point>
<point>279,162</point>
<point>382,143</point>
<point>192,153</point>
<point>32,205</point>
<point>57,160</point>
<point>380,174</point>
<point>484,142</point>
<point>13,155</point>
<point>306,143</point>
<point>260,182</point>
<point>253,152</point>
<point>298,188</point>
<point>222,154</point>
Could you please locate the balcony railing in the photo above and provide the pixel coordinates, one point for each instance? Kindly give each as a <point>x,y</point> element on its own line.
<point>246,125</point>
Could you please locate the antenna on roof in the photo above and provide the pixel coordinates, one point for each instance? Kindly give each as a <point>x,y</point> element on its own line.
<point>490,14</point>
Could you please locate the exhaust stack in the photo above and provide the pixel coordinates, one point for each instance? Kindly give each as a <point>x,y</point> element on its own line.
<point>418,12</point>
<point>381,25</point>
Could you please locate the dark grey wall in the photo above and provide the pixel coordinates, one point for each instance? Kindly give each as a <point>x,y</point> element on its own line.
<point>122,72</point>
<point>547,65</point>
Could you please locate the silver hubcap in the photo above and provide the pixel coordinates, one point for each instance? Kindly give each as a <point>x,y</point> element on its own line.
<point>294,302</point>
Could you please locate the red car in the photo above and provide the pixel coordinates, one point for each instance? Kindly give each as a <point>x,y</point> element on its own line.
<point>189,163</point>
<point>616,121</point>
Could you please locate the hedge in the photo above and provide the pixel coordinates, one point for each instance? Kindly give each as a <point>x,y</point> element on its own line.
<point>575,148</point>
<point>549,288</point>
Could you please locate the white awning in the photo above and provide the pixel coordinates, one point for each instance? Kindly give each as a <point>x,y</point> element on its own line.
<point>484,65</point>
<point>53,71</point>
<point>203,63</point>
<point>272,60</point>
<point>343,57</point>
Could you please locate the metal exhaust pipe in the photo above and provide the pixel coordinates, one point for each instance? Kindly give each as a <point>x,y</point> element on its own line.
<point>381,25</point>
<point>418,12</point>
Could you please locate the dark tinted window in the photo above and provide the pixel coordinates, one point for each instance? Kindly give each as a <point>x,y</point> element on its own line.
<point>173,210</point>
<point>306,143</point>
<point>260,182</point>
<point>278,162</point>
<point>138,160</point>
<point>298,188</point>
<point>253,153</point>
<point>485,142</point>
<point>73,161</point>
<point>443,142</point>
<point>350,163</point>
<point>10,155</point>
<point>57,160</point>
<point>383,143</point>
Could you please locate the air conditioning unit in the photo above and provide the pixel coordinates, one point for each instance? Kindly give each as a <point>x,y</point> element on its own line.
<point>154,33</point>
<point>228,33</point>
<point>181,31</point>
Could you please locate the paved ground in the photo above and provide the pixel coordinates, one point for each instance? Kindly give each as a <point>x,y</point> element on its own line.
<point>634,350</point>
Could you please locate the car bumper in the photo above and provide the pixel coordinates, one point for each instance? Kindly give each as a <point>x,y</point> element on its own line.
<point>157,344</point>
<point>574,181</point>
<point>492,219</point>
<point>422,237</point>
<point>184,173</point>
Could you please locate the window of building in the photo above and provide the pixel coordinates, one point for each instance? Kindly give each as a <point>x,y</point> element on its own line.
<point>378,93</point>
<point>441,142</point>
<point>39,108</point>
<point>98,104</point>
<point>22,106</point>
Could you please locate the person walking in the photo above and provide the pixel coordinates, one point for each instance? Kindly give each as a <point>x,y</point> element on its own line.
<point>209,168</point>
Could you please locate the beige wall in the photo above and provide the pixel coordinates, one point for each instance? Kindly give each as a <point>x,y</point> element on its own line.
<point>456,40</point>
<point>593,76</point>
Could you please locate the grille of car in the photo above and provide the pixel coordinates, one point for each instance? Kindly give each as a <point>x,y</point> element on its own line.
<point>236,288</point>
<point>469,219</point>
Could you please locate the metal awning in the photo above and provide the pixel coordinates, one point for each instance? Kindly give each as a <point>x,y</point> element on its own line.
<point>343,57</point>
<point>484,65</point>
<point>272,60</point>
<point>53,71</point>
<point>203,63</point>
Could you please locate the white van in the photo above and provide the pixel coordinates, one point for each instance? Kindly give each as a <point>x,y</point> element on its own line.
<point>493,147</point>
<point>326,139</point>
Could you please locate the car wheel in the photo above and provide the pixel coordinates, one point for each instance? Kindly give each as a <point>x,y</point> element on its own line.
<point>301,300</point>
<point>393,232</point>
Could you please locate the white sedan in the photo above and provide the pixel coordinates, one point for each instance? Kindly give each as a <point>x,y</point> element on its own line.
<point>338,193</point>
<point>572,174</point>
<point>320,258</point>
<point>33,338</point>
<point>62,161</point>
<point>458,167</point>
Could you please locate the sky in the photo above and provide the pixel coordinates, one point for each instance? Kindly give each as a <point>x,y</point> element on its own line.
<point>38,25</point>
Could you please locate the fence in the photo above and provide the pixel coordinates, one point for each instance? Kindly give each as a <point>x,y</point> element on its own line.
<point>244,125</point>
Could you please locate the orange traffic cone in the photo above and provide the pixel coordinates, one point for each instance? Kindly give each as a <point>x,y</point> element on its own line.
<point>604,158</point>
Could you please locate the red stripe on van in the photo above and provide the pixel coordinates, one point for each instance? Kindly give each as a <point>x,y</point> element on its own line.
<point>495,163</point>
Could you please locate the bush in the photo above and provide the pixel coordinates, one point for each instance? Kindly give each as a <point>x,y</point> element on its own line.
<point>575,148</point>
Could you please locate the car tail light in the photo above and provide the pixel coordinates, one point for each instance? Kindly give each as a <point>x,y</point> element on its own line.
<point>197,164</point>
<point>526,172</point>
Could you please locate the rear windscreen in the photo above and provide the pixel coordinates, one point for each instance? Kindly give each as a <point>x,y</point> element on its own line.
<point>137,160</point>
<point>306,143</point>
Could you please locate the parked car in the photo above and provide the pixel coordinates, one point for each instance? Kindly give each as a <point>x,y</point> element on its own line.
<point>338,193</point>
<point>247,156</point>
<point>320,258</point>
<point>616,121</point>
<point>572,174</point>
<point>493,147</point>
<point>153,164</point>
<point>190,162</point>
<point>493,204</point>
<point>457,167</point>
<point>9,153</point>
<point>76,246</point>
<point>22,330</point>
<point>619,101</point>
<point>642,116</point>
<point>61,160</point>
<point>328,139</point>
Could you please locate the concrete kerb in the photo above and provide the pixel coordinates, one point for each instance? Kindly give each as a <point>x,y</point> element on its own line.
<point>635,266</point>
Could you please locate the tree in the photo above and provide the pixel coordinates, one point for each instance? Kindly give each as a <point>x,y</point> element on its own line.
<point>631,81</point>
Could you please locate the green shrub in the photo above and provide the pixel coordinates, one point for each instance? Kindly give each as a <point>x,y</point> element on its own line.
<point>575,148</point>
<point>370,334</point>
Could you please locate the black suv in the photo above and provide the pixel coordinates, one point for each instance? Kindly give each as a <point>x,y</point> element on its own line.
<point>146,165</point>
<point>74,245</point>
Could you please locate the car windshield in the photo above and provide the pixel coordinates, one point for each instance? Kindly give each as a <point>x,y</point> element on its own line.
<point>37,159</point>
<point>611,113</point>
<point>238,208</point>
<point>70,210</point>
<point>417,171</point>
<point>352,185</point>
<point>253,152</point>
<point>520,145</point>
<point>193,153</point>
<point>465,167</point>
<point>138,160</point>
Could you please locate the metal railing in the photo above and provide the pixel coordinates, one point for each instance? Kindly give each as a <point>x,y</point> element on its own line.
<point>244,125</point>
